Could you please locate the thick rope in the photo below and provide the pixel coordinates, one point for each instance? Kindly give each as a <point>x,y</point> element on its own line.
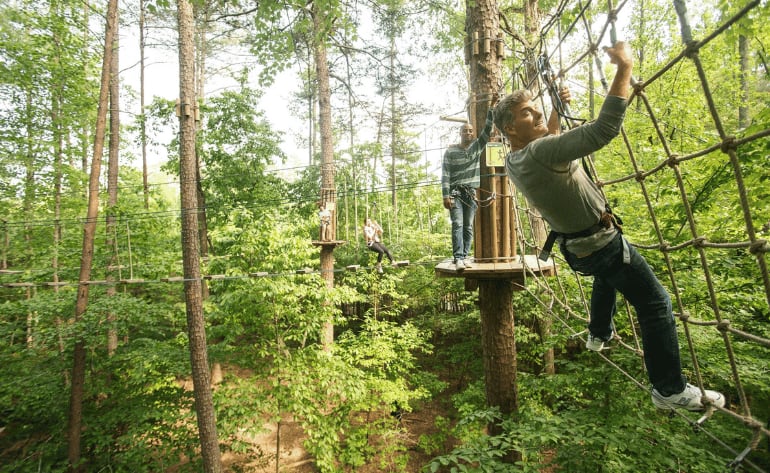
<point>549,292</point>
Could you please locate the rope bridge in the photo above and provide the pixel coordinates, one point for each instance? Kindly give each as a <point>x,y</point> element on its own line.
<point>682,150</point>
<point>656,178</point>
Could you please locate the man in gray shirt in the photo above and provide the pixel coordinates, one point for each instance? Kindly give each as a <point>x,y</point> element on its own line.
<point>546,169</point>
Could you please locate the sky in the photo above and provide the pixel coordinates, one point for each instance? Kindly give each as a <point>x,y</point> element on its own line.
<point>161,80</point>
<point>440,96</point>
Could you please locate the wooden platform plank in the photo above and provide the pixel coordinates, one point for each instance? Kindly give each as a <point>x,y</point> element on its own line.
<point>514,269</point>
<point>333,243</point>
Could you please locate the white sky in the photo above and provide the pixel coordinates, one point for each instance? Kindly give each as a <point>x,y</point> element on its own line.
<point>161,80</point>
<point>440,96</point>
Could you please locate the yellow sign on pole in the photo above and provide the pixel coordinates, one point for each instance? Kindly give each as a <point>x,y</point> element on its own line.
<point>495,154</point>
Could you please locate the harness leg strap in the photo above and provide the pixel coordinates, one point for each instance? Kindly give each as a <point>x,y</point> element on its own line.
<point>545,253</point>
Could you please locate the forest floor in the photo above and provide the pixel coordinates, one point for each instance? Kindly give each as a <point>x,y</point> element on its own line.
<point>295,459</point>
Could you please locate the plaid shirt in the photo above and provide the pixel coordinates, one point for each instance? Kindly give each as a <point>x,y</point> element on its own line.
<point>460,167</point>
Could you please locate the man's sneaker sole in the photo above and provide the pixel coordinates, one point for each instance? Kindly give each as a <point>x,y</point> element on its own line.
<point>689,399</point>
<point>596,343</point>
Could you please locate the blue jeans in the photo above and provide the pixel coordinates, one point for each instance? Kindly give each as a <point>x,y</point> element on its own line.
<point>646,294</point>
<point>462,214</point>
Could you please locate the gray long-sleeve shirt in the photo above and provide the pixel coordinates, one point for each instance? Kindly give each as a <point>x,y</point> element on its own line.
<point>548,172</point>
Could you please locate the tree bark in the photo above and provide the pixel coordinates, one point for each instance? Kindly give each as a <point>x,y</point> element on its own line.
<point>201,50</point>
<point>204,405</point>
<point>327,157</point>
<point>112,190</point>
<point>143,130</point>
<point>495,295</point>
<point>499,348</point>
<point>58,142</point>
<point>743,107</point>
<point>89,232</point>
<point>393,124</point>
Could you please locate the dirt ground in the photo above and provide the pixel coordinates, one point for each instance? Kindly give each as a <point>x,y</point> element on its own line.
<point>295,459</point>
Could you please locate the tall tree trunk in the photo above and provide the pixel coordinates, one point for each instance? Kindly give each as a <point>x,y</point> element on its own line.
<point>327,157</point>
<point>85,130</point>
<point>143,123</point>
<point>58,143</point>
<point>204,405</point>
<point>29,196</point>
<point>89,232</point>
<point>499,350</point>
<point>353,160</point>
<point>393,124</point>
<point>201,50</point>
<point>743,107</point>
<point>6,244</point>
<point>495,295</point>
<point>112,190</point>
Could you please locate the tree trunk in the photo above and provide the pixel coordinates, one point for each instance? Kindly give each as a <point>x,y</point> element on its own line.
<point>143,122</point>
<point>353,160</point>
<point>112,190</point>
<point>89,232</point>
<point>393,122</point>
<point>499,349</point>
<point>58,142</point>
<point>495,296</point>
<point>327,157</point>
<point>201,50</point>
<point>204,406</point>
<point>85,130</point>
<point>499,344</point>
<point>743,107</point>
<point>6,244</point>
<point>29,196</point>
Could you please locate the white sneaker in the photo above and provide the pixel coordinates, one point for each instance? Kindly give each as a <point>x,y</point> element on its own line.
<point>595,343</point>
<point>459,265</point>
<point>467,263</point>
<point>689,399</point>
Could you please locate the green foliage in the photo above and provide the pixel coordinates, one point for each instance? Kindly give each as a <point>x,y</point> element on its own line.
<point>403,339</point>
<point>596,424</point>
<point>137,415</point>
<point>328,396</point>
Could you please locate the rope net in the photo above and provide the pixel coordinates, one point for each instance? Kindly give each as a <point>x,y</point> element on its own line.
<point>686,177</point>
<point>679,163</point>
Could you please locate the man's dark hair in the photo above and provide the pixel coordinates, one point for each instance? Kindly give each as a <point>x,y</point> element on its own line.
<point>504,108</point>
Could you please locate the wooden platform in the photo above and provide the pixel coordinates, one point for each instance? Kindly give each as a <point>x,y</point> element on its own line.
<point>332,243</point>
<point>515,269</point>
